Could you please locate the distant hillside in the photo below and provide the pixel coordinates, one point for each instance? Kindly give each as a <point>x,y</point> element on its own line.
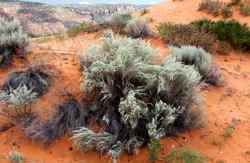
<point>42,19</point>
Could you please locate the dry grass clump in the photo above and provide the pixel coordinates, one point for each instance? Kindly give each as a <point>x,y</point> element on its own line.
<point>245,8</point>
<point>179,35</point>
<point>13,40</point>
<point>212,7</point>
<point>119,21</point>
<point>68,117</point>
<point>138,28</point>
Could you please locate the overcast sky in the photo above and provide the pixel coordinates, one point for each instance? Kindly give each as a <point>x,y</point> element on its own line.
<point>95,1</point>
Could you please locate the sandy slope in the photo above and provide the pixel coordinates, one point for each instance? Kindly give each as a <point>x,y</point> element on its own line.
<point>222,104</point>
<point>184,12</point>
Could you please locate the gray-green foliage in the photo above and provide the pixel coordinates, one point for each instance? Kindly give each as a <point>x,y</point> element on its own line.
<point>190,55</point>
<point>15,157</point>
<point>86,139</point>
<point>131,109</point>
<point>138,28</point>
<point>13,40</point>
<point>197,57</point>
<point>120,20</point>
<point>135,100</point>
<point>185,155</point>
<point>18,97</point>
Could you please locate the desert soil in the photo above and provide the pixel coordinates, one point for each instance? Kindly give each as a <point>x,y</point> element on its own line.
<point>221,104</point>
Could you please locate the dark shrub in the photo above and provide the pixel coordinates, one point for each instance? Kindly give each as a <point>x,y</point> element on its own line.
<point>178,35</point>
<point>68,117</point>
<point>245,9</point>
<point>12,40</point>
<point>211,7</point>
<point>20,90</point>
<point>229,31</point>
<point>119,21</point>
<point>138,28</point>
<point>234,2</point>
<point>226,12</point>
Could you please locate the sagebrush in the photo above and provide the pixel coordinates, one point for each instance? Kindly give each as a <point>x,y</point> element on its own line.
<point>134,100</point>
<point>13,40</point>
<point>138,28</point>
<point>119,21</point>
<point>20,90</point>
<point>200,59</point>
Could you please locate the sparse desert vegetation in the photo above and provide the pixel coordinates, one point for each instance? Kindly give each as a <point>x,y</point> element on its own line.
<point>185,155</point>
<point>180,34</point>
<point>123,88</point>
<point>13,40</point>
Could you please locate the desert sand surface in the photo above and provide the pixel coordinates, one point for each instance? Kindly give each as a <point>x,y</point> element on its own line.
<point>222,104</point>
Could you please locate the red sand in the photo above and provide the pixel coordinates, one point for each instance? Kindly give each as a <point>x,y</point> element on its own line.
<point>222,104</point>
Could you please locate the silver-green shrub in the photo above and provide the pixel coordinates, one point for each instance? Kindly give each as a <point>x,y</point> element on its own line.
<point>119,21</point>
<point>138,28</point>
<point>191,55</point>
<point>85,139</point>
<point>18,97</point>
<point>134,100</point>
<point>197,57</point>
<point>20,90</point>
<point>13,40</point>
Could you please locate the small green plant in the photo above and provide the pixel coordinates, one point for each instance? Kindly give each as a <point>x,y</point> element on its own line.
<point>138,28</point>
<point>184,155</point>
<point>83,27</point>
<point>211,7</point>
<point>226,12</point>
<point>245,9</point>
<point>229,130</point>
<point>154,148</point>
<point>15,157</point>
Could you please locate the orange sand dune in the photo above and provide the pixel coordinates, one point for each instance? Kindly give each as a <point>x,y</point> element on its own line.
<point>222,104</point>
<point>184,12</point>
